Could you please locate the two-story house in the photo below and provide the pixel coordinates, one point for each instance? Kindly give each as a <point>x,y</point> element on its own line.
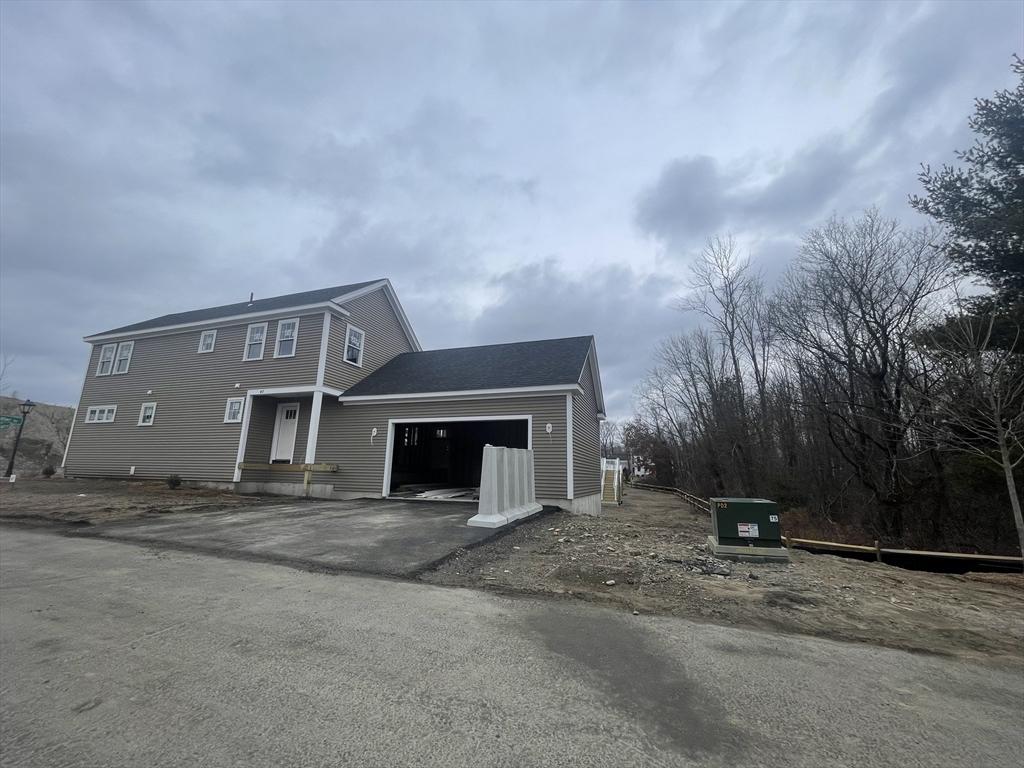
<point>328,393</point>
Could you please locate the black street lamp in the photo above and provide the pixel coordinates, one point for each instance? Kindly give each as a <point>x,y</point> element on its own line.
<point>26,409</point>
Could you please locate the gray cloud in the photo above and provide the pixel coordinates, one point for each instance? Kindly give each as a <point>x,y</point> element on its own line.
<point>518,171</point>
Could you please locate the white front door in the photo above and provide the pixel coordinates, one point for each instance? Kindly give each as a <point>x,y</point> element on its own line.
<point>285,428</point>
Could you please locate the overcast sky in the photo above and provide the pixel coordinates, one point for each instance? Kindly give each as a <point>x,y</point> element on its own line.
<point>519,171</point>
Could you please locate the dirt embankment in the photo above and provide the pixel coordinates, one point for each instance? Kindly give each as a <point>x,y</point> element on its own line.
<point>648,555</point>
<point>101,501</point>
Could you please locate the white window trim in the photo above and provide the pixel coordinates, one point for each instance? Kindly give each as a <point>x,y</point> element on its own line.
<point>362,347</point>
<point>117,355</point>
<point>203,335</point>
<point>295,338</point>
<point>263,346</point>
<point>99,362</point>
<point>142,410</point>
<point>92,410</point>
<point>227,410</point>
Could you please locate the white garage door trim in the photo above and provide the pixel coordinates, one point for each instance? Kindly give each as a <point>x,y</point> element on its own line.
<point>386,488</point>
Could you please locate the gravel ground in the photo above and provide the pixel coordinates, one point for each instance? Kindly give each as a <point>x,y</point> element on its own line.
<point>648,555</point>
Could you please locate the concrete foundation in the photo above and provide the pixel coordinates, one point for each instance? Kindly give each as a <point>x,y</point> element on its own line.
<point>312,491</point>
<point>747,554</point>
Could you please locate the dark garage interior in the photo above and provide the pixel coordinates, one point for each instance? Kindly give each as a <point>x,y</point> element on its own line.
<point>442,459</point>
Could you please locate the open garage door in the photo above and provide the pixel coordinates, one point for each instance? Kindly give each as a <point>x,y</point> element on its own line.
<point>442,459</point>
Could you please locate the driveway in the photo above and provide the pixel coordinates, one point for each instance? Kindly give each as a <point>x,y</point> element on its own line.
<point>381,536</point>
<point>122,656</point>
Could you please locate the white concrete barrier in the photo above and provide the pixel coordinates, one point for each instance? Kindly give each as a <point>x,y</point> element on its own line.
<point>507,489</point>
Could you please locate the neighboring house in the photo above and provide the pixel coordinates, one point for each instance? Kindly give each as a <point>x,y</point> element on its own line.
<point>327,393</point>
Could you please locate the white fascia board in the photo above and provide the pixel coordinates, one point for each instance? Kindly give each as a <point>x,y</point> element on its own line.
<point>396,305</point>
<point>595,372</point>
<point>466,394</point>
<point>216,322</point>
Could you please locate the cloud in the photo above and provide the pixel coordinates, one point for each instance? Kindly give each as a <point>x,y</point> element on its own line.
<point>518,171</point>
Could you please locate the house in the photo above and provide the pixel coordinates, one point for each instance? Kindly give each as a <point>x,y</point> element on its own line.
<point>327,393</point>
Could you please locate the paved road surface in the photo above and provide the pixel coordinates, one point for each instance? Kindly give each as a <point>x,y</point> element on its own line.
<point>113,654</point>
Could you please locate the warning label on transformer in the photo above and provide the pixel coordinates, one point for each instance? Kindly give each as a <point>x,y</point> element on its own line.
<point>747,530</point>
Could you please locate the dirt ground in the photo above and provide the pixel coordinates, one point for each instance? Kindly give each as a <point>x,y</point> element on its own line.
<point>652,548</point>
<point>99,501</point>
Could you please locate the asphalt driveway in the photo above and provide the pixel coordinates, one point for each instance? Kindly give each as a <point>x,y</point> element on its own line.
<point>381,536</point>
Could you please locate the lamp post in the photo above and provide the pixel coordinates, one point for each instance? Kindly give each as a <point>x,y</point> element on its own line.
<point>26,409</point>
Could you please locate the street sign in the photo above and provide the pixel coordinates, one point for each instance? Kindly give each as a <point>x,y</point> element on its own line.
<point>10,421</point>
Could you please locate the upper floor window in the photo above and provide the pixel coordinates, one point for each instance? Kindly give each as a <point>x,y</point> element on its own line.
<point>207,341</point>
<point>106,363</point>
<point>354,346</point>
<point>100,414</point>
<point>287,331</point>
<point>255,339</point>
<point>147,414</point>
<point>124,356</point>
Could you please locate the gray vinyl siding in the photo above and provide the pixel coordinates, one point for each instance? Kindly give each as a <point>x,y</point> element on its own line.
<point>586,438</point>
<point>261,438</point>
<point>188,436</point>
<point>345,438</point>
<point>385,338</point>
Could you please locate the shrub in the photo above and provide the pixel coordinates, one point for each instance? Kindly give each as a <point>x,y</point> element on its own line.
<point>48,471</point>
<point>173,481</point>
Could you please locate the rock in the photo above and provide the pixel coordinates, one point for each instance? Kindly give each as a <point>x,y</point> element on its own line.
<point>515,547</point>
<point>610,583</point>
<point>753,576</point>
<point>636,613</point>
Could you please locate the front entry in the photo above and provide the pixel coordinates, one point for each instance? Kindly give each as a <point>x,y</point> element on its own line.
<point>282,449</point>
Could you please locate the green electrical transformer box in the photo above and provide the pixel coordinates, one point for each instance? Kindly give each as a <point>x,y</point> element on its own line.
<point>746,522</point>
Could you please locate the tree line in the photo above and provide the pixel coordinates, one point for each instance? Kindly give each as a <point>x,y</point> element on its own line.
<point>873,392</point>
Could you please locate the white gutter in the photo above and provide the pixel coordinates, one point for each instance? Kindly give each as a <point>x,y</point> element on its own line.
<point>463,394</point>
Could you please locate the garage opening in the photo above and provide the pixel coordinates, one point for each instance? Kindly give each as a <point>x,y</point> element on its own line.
<point>442,459</point>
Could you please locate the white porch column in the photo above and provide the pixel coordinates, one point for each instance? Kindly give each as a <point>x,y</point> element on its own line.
<point>314,427</point>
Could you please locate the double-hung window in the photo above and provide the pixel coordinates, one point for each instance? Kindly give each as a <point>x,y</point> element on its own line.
<point>106,362</point>
<point>255,339</point>
<point>233,410</point>
<point>147,414</point>
<point>207,341</point>
<point>100,414</point>
<point>124,356</point>
<point>287,333</point>
<point>354,346</point>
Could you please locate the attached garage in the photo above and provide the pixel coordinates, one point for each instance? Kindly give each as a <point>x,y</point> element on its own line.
<point>440,458</point>
<point>421,421</point>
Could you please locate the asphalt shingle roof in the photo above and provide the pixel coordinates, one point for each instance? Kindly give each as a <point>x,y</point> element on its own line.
<point>495,366</point>
<point>244,307</point>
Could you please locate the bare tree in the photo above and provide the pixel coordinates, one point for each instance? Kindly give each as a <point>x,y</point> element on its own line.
<point>981,407</point>
<point>849,308</point>
<point>611,436</point>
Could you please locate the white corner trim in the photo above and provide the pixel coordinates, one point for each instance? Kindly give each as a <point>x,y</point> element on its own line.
<point>386,486</point>
<point>242,438</point>
<point>464,394</point>
<point>74,418</point>
<point>568,446</point>
<point>321,366</point>
<point>314,427</point>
